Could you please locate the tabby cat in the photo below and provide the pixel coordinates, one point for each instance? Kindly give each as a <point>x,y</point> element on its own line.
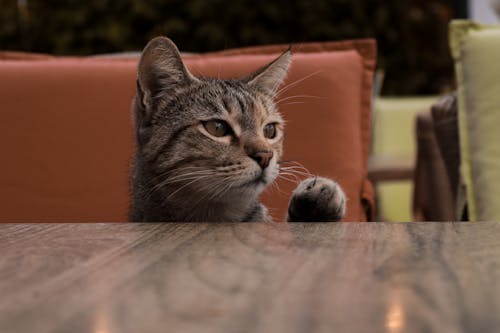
<point>207,148</point>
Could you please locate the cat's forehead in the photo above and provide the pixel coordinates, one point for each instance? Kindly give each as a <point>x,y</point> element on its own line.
<point>238,99</point>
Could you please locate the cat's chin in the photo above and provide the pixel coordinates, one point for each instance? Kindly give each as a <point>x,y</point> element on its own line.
<point>250,189</point>
<point>257,183</point>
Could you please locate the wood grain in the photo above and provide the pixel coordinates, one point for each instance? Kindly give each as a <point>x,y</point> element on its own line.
<point>316,277</point>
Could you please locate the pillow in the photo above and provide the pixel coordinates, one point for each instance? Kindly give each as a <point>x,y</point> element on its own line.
<point>13,55</point>
<point>66,128</point>
<point>476,49</point>
<point>66,139</point>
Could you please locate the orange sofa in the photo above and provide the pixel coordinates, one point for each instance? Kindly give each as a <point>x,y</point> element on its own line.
<point>67,141</point>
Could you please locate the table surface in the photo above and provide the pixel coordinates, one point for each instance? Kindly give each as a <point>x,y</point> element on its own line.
<point>253,277</point>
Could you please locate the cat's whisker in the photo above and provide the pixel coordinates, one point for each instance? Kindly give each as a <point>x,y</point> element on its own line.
<point>288,173</point>
<point>295,167</point>
<point>169,181</point>
<point>287,178</point>
<point>184,186</point>
<point>217,189</point>
<point>293,84</point>
<point>298,96</point>
<point>183,180</point>
<point>297,172</point>
<point>176,172</point>
<point>297,177</point>
<point>291,103</point>
<point>220,191</point>
<point>291,162</point>
<point>194,173</point>
<point>229,186</point>
<point>277,187</point>
<point>180,177</point>
<point>207,188</point>
<point>186,168</point>
<point>213,185</point>
<point>296,164</point>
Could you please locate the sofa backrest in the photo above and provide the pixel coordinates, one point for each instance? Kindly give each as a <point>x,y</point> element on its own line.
<point>67,142</point>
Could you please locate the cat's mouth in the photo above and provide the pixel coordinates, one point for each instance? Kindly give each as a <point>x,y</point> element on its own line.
<point>259,179</point>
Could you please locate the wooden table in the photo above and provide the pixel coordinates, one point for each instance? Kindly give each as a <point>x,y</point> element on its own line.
<point>317,277</point>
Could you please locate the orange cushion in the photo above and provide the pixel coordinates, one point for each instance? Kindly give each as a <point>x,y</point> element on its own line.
<point>66,133</point>
<point>14,55</point>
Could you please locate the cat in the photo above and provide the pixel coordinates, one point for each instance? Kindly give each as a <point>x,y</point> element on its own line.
<point>207,148</point>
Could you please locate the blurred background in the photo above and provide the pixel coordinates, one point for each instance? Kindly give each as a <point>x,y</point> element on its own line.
<point>411,34</point>
<point>414,67</point>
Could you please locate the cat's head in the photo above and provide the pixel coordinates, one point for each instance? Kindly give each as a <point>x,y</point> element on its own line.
<point>204,135</point>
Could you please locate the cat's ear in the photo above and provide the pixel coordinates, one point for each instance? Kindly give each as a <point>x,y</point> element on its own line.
<point>160,70</point>
<point>271,76</point>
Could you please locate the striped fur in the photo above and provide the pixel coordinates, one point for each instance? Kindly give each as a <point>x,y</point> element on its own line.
<point>181,171</point>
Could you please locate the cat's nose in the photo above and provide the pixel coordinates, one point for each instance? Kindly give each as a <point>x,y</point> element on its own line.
<point>262,157</point>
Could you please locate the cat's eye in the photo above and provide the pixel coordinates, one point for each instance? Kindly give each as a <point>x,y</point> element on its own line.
<point>270,131</point>
<point>217,128</point>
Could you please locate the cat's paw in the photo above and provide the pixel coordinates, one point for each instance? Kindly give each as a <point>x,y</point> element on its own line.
<point>317,199</point>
